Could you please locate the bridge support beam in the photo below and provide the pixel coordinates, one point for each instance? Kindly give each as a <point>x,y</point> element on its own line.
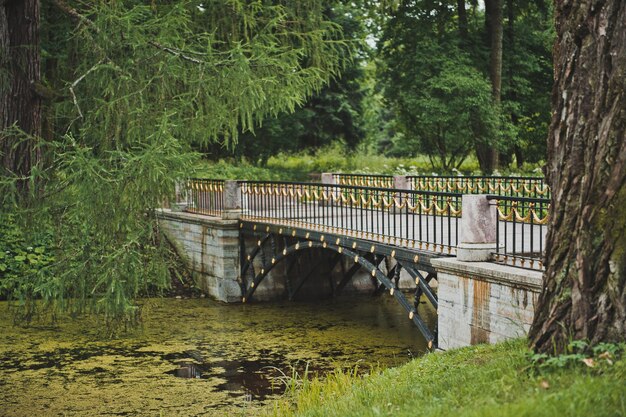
<point>483,302</point>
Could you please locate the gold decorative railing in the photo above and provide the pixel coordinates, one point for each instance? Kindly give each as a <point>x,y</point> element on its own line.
<point>364,180</point>
<point>520,230</point>
<point>505,186</point>
<point>205,196</point>
<point>424,220</point>
<point>415,219</point>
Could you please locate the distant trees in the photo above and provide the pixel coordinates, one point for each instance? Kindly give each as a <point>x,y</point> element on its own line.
<point>421,38</point>
<point>334,113</point>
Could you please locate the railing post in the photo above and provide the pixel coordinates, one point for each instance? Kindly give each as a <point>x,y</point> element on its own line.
<point>327,178</point>
<point>181,196</point>
<point>232,200</point>
<point>477,240</point>
<point>400,182</point>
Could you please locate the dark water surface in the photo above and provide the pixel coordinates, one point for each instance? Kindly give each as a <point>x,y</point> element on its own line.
<point>196,357</point>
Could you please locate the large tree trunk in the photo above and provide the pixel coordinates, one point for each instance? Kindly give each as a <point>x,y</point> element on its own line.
<point>584,295</point>
<point>487,155</point>
<point>20,104</point>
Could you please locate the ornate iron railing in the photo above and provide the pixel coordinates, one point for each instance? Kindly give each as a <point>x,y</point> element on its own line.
<point>520,230</point>
<point>364,180</point>
<point>414,219</point>
<point>424,220</point>
<point>506,186</point>
<point>533,187</point>
<point>205,196</point>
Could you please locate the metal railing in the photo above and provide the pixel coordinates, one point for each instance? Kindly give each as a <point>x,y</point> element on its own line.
<point>424,220</point>
<point>506,186</point>
<point>205,196</point>
<point>533,187</point>
<point>521,229</point>
<point>364,180</point>
<point>414,219</point>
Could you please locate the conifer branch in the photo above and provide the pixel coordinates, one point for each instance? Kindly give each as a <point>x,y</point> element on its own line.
<point>175,52</point>
<point>75,83</point>
<point>72,12</point>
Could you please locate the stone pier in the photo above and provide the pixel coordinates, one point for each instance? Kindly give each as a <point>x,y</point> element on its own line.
<point>483,302</point>
<point>210,247</point>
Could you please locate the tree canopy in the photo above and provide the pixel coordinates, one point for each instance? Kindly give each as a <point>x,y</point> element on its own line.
<point>126,88</point>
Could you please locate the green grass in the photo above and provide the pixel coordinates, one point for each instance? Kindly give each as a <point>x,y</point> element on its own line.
<point>244,170</point>
<point>305,166</point>
<point>338,158</point>
<point>478,381</point>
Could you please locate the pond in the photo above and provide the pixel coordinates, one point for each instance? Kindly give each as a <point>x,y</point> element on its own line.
<point>196,356</point>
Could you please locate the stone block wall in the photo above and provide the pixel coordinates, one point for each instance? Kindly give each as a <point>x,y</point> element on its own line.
<point>210,247</point>
<point>482,302</point>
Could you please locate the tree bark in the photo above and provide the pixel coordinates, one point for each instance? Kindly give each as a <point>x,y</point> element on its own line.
<point>487,155</point>
<point>584,294</point>
<point>462,13</point>
<point>493,13</point>
<point>20,74</point>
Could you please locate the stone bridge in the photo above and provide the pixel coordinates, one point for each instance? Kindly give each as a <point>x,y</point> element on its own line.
<point>474,258</point>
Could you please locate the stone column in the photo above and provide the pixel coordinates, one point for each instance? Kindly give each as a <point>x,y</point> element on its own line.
<point>232,200</point>
<point>400,182</point>
<point>477,234</point>
<point>327,178</point>
<point>181,197</point>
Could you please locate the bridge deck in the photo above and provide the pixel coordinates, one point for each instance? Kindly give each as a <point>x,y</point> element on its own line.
<point>425,232</point>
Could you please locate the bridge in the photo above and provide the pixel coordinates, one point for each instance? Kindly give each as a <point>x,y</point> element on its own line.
<point>386,226</point>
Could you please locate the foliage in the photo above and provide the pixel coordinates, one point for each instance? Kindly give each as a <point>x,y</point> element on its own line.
<point>577,353</point>
<point>443,104</point>
<point>423,61</point>
<point>129,87</point>
<point>238,169</point>
<point>333,113</point>
<point>487,380</point>
<point>527,77</point>
<point>452,112</point>
<point>305,166</point>
<point>24,263</point>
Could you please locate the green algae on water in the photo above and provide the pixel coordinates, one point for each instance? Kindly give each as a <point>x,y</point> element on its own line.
<point>195,357</point>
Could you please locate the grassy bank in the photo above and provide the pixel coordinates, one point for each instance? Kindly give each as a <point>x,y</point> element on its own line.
<point>337,158</point>
<point>497,380</point>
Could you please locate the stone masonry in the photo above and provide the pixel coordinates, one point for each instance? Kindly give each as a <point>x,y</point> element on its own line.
<point>210,246</point>
<point>481,302</point>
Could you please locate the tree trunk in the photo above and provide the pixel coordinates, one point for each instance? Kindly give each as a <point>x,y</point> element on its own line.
<point>487,154</point>
<point>462,13</point>
<point>512,90</point>
<point>20,104</point>
<point>493,13</point>
<point>584,294</point>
